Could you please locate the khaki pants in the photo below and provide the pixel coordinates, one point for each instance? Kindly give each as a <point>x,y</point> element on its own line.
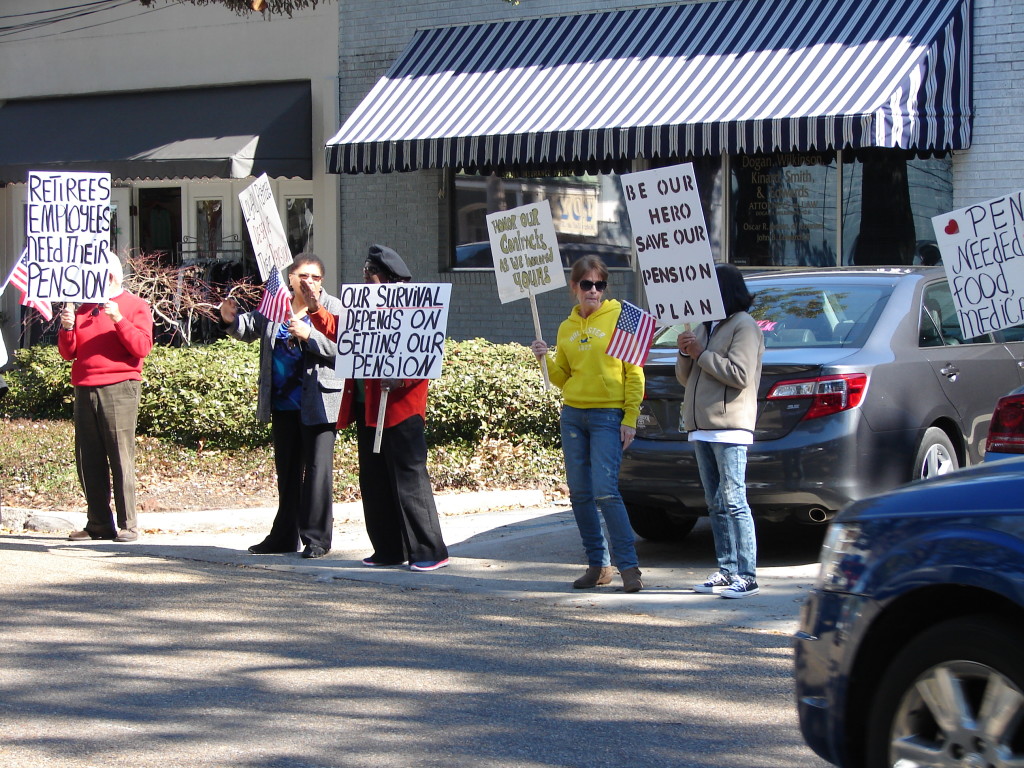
<point>105,419</point>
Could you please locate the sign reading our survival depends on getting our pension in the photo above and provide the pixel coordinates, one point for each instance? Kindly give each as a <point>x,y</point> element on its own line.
<point>525,251</point>
<point>392,330</point>
<point>982,249</point>
<point>266,230</point>
<point>671,239</point>
<point>68,232</point>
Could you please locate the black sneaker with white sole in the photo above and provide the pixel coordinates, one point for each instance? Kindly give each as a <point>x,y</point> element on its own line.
<point>716,583</point>
<point>741,587</point>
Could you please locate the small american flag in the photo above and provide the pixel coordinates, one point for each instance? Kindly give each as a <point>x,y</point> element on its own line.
<point>19,279</point>
<point>631,340</point>
<point>276,304</point>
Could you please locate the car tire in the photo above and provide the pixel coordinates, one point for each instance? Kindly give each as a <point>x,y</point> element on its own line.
<point>655,524</point>
<point>935,456</point>
<point>953,696</point>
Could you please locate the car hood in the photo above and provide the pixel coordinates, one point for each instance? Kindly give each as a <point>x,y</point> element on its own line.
<point>995,488</point>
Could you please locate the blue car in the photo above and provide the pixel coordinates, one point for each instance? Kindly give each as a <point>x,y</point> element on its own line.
<point>909,651</point>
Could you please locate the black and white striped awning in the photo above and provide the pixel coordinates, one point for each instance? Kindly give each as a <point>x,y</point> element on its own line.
<point>737,76</point>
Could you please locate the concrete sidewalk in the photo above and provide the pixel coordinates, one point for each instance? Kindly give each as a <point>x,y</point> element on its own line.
<point>508,543</point>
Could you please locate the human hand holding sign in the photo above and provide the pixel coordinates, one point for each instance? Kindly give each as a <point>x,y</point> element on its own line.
<point>112,310</point>
<point>228,310</point>
<point>67,317</point>
<point>688,344</point>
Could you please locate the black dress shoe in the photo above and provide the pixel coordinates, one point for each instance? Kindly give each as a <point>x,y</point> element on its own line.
<point>314,550</point>
<point>270,548</point>
<point>90,536</point>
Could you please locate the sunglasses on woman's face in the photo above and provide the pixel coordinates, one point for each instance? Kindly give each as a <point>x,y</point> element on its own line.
<point>586,285</point>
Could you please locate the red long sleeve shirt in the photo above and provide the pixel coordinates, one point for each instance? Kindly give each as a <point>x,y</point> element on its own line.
<point>105,352</point>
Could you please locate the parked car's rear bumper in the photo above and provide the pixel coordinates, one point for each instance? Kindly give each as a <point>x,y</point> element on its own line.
<point>824,463</point>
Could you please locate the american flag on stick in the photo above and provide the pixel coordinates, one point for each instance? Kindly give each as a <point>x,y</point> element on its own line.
<point>631,340</point>
<point>276,304</point>
<point>19,279</point>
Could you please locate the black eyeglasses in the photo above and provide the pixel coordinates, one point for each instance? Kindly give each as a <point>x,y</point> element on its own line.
<point>307,276</point>
<point>586,285</point>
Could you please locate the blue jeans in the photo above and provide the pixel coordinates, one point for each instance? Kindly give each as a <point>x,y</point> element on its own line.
<point>593,452</point>
<point>723,472</point>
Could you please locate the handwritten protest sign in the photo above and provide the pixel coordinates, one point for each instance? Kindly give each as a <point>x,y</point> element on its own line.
<point>525,251</point>
<point>677,267</point>
<point>392,330</point>
<point>982,248</point>
<point>266,230</point>
<point>68,236</point>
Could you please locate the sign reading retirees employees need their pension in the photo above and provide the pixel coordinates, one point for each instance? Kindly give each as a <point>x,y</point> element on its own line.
<point>525,251</point>
<point>266,230</point>
<point>671,240</point>
<point>67,229</point>
<point>982,249</point>
<point>392,330</point>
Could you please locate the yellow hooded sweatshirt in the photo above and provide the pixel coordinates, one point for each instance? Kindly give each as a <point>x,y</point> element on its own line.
<point>586,375</point>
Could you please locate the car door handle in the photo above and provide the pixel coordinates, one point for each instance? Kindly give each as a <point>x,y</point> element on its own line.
<point>950,371</point>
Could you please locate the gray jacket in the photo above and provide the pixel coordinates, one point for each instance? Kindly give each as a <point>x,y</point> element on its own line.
<point>721,384</point>
<point>321,389</point>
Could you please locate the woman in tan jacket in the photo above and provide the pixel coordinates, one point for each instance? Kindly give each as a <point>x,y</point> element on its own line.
<point>720,366</point>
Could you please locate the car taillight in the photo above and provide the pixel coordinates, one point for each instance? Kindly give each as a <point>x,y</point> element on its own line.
<point>1006,433</point>
<point>828,394</point>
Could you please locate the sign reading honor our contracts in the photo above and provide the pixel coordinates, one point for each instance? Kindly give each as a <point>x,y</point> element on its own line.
<point>982,249</point>
<point>525,251</point>
<point>677,267</point>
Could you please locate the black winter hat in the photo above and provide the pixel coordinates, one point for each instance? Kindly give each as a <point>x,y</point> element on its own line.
<point>389,262</point>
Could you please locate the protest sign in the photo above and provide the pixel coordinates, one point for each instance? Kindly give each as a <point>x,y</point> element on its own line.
<point>3,351</point>
<point>677,267</point>
<point>392,330</point>
<point>67,250</point>
<point>982,249</point>
<point>266,230</point>
<point>525,251</point>
<point>526,258</point>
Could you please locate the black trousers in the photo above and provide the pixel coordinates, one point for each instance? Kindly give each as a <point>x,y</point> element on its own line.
<point>398,500</point>
<point>304,459</point>
<point>105,419</point>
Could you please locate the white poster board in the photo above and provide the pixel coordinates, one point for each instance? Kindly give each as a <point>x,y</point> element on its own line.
<point>392,330</point>
<point>3,351</point>
<point>67,230</point>
<point>982,249</point>
<point>266,230</point>
<point>677,267</point>
<point>525,251</point>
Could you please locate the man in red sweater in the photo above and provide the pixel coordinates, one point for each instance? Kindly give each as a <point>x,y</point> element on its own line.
<point>107,343</point>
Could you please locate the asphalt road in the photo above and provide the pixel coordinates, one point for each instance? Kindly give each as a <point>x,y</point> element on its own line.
<point>183,650</point>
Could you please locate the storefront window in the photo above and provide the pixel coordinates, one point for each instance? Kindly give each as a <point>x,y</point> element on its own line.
<point>888,204</point>
<point>299,225</point>
<point>783,210</point>
<point>588,213</point>
<point>209,231</point>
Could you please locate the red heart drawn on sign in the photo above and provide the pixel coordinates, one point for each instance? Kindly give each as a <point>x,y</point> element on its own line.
<point>952,228</point>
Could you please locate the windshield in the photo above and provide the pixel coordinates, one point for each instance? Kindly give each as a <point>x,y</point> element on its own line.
<point>795,314</point>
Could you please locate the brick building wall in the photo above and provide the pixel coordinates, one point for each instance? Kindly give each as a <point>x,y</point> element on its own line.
<point>994,165</point>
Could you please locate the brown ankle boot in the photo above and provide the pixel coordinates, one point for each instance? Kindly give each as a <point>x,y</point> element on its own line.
<point>596,576</point>
<point>631,580</point>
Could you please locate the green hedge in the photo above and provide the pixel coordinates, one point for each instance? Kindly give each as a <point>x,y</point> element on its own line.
<point>208,394</point>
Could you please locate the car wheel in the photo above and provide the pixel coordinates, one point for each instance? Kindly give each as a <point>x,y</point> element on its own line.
<point>935,456</point>
<point>655,524</point>
<point>953,696</point>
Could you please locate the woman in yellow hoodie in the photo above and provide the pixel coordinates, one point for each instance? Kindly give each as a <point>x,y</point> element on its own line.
<point>601,397</point>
